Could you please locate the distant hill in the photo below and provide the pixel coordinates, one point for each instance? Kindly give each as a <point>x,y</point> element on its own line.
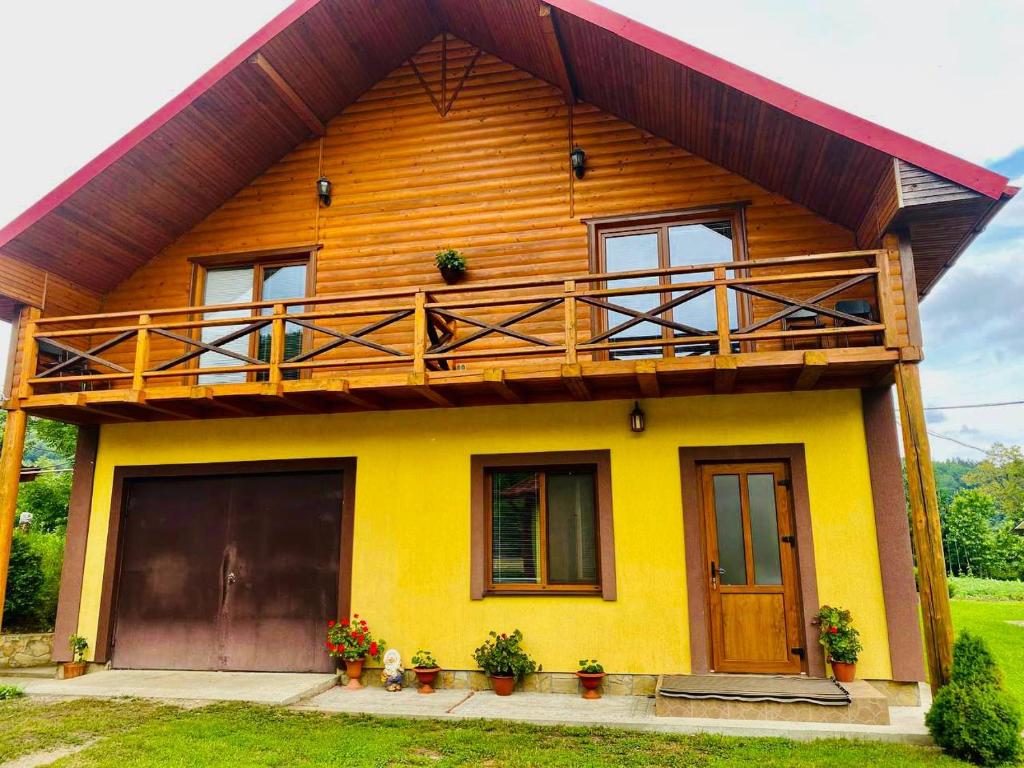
<point>949,475</point>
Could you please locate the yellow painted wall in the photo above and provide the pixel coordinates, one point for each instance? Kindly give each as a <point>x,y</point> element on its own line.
<point>410,573</point>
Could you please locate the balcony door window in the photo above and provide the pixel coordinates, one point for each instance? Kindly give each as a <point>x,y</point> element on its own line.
<point>243,284</point>
<point>661,244</point>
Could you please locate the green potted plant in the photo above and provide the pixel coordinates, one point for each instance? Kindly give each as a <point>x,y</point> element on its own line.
<point>76,667</point>
<point>452,265</point>
<point>426,668</point>
<point>841,642</point>
<point>503,659</point>
<point>590,673</point>
<point>351,641</point>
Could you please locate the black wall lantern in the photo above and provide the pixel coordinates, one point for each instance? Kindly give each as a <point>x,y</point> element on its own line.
<point>323,191</point>
<point>637,419</point>
<point>578,161</point>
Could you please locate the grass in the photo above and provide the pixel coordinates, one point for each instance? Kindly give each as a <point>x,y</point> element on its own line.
<point>135,734</point>
<point>988,620</point>
<point>972,588</point>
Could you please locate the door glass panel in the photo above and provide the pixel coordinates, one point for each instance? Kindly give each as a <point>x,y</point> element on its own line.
<point>231,285</point>
<point>515,527</point>
<point>624,253</point>
<point>764,529</point>
<point>287,282</point>
<point>572,536</point>
<point>692,244</point>
<point>729,524</point>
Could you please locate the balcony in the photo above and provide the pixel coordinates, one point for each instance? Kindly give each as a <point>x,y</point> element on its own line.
<point>801,322</point>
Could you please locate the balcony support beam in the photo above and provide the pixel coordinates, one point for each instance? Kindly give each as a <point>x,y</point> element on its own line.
<point>572,377</point>
<point>647,378</point>
<point>925,527</point>
<point>815,364</point>
<point>495,378</point>
<point>11,456</point>
<point>726,370</point>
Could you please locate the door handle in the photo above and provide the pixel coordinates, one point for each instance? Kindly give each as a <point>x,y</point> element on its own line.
<point>714,575</point>
<point>231,578</point>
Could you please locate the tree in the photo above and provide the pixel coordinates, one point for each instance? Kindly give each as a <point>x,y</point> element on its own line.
<point>1001,476</point>
<point>49,445</point>
<point>967,533</point>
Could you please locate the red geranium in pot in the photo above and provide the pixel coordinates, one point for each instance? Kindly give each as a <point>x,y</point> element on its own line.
<point>841,642</point>
<point>351,641</point>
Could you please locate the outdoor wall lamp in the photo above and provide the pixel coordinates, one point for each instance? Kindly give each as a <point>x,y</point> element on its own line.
<point>637,418</point>
<point>578,161</point>
<point>323,191</point>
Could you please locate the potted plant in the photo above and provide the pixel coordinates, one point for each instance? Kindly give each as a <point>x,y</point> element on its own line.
<point>351,641</point>
<point>840,641</point>
<point>452,265</point>
<point>503,660</point>
<point>590,673</point>
<point>76,667</point>
<point>426,668</point>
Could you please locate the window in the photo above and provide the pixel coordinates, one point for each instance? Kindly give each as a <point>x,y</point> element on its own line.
<point>542,524</point>
<point>661,242</point>
<point>240,282</point>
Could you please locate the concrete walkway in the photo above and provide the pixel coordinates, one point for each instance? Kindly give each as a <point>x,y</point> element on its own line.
<point>320,694</point>
<point>630,712</point>
<point>256,687</point>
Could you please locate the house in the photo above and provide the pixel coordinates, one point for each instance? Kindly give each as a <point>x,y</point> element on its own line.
<point>653,423</point>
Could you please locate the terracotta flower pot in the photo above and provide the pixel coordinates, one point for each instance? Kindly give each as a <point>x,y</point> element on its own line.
<point>843,671</point>
<point>354,670</point>
<point>74,669</point>
<point>503,685</point>
<point>426,676</point>
<point>452,276</point>
<point>591,681</point>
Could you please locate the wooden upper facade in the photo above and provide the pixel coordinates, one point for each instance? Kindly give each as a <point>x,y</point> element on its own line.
<point>577,288</point>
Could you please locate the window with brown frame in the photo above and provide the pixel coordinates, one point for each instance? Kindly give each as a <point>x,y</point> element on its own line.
<point>663,241</point>
<point>544,524</point>
<point>243,279</point>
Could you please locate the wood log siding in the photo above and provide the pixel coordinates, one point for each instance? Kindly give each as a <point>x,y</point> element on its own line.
<point>490,179</point>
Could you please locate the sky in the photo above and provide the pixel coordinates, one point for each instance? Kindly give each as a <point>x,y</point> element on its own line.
<point>75,76</point>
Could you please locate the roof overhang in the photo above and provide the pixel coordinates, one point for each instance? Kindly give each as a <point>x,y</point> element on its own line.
<point>174,169</point>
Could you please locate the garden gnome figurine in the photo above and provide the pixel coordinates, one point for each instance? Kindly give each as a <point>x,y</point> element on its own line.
<point>393,673</point>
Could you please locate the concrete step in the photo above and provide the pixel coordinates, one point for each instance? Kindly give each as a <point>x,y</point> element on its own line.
<point>867,706</point>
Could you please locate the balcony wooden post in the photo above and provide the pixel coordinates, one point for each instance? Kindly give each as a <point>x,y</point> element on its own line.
<point>419,341</point>
<point>883,259</point>
<point>141,354</point>
<point>11,457</point>
<point>925,527</point>
<point>277,329</point>
<point>30,351</point>
<point>722,310</point>
<point>570,321</point>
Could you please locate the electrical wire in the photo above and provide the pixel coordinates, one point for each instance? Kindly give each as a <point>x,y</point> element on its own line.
<point>958,442</point>
<point>973,405</point>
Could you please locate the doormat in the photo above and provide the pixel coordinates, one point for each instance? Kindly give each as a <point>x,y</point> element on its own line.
<point>782,689</point>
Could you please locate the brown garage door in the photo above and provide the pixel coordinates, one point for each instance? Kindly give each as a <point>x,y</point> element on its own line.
<point>232,572</point>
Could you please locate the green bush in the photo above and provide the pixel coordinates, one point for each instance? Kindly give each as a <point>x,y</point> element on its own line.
<point>10,692</point>
<point>50,549</point>
<point>24,580</point>
<point>972,718</point>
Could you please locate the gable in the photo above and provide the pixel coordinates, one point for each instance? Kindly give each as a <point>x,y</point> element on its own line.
<point>234,122</point>
<point>490,178</point>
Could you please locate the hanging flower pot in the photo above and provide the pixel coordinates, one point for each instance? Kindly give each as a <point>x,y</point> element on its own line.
<point>451,264</point>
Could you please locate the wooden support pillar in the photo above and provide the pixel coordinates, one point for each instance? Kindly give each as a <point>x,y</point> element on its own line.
<point>10,475</point>
<point>925,527</point>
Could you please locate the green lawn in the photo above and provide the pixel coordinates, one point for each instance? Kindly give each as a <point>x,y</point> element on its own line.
<point>989,620</point>
<point>972,588</point>
<point>134,734</point>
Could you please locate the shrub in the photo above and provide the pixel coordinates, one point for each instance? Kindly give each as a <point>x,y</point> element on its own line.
<point>10,692</point>
<point>24,580</point>
<point>50,549</point>
<point>972,718</point>
<point>503,656</point>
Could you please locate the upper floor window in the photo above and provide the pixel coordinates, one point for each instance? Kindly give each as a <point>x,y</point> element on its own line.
<point>659,242</point>
<point>241,282</point>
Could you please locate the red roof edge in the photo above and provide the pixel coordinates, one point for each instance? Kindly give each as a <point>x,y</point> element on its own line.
<point>963,172</point>
<point>143,130</point>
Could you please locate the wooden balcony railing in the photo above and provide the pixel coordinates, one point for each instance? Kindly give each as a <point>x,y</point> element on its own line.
<point>741,308</point>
